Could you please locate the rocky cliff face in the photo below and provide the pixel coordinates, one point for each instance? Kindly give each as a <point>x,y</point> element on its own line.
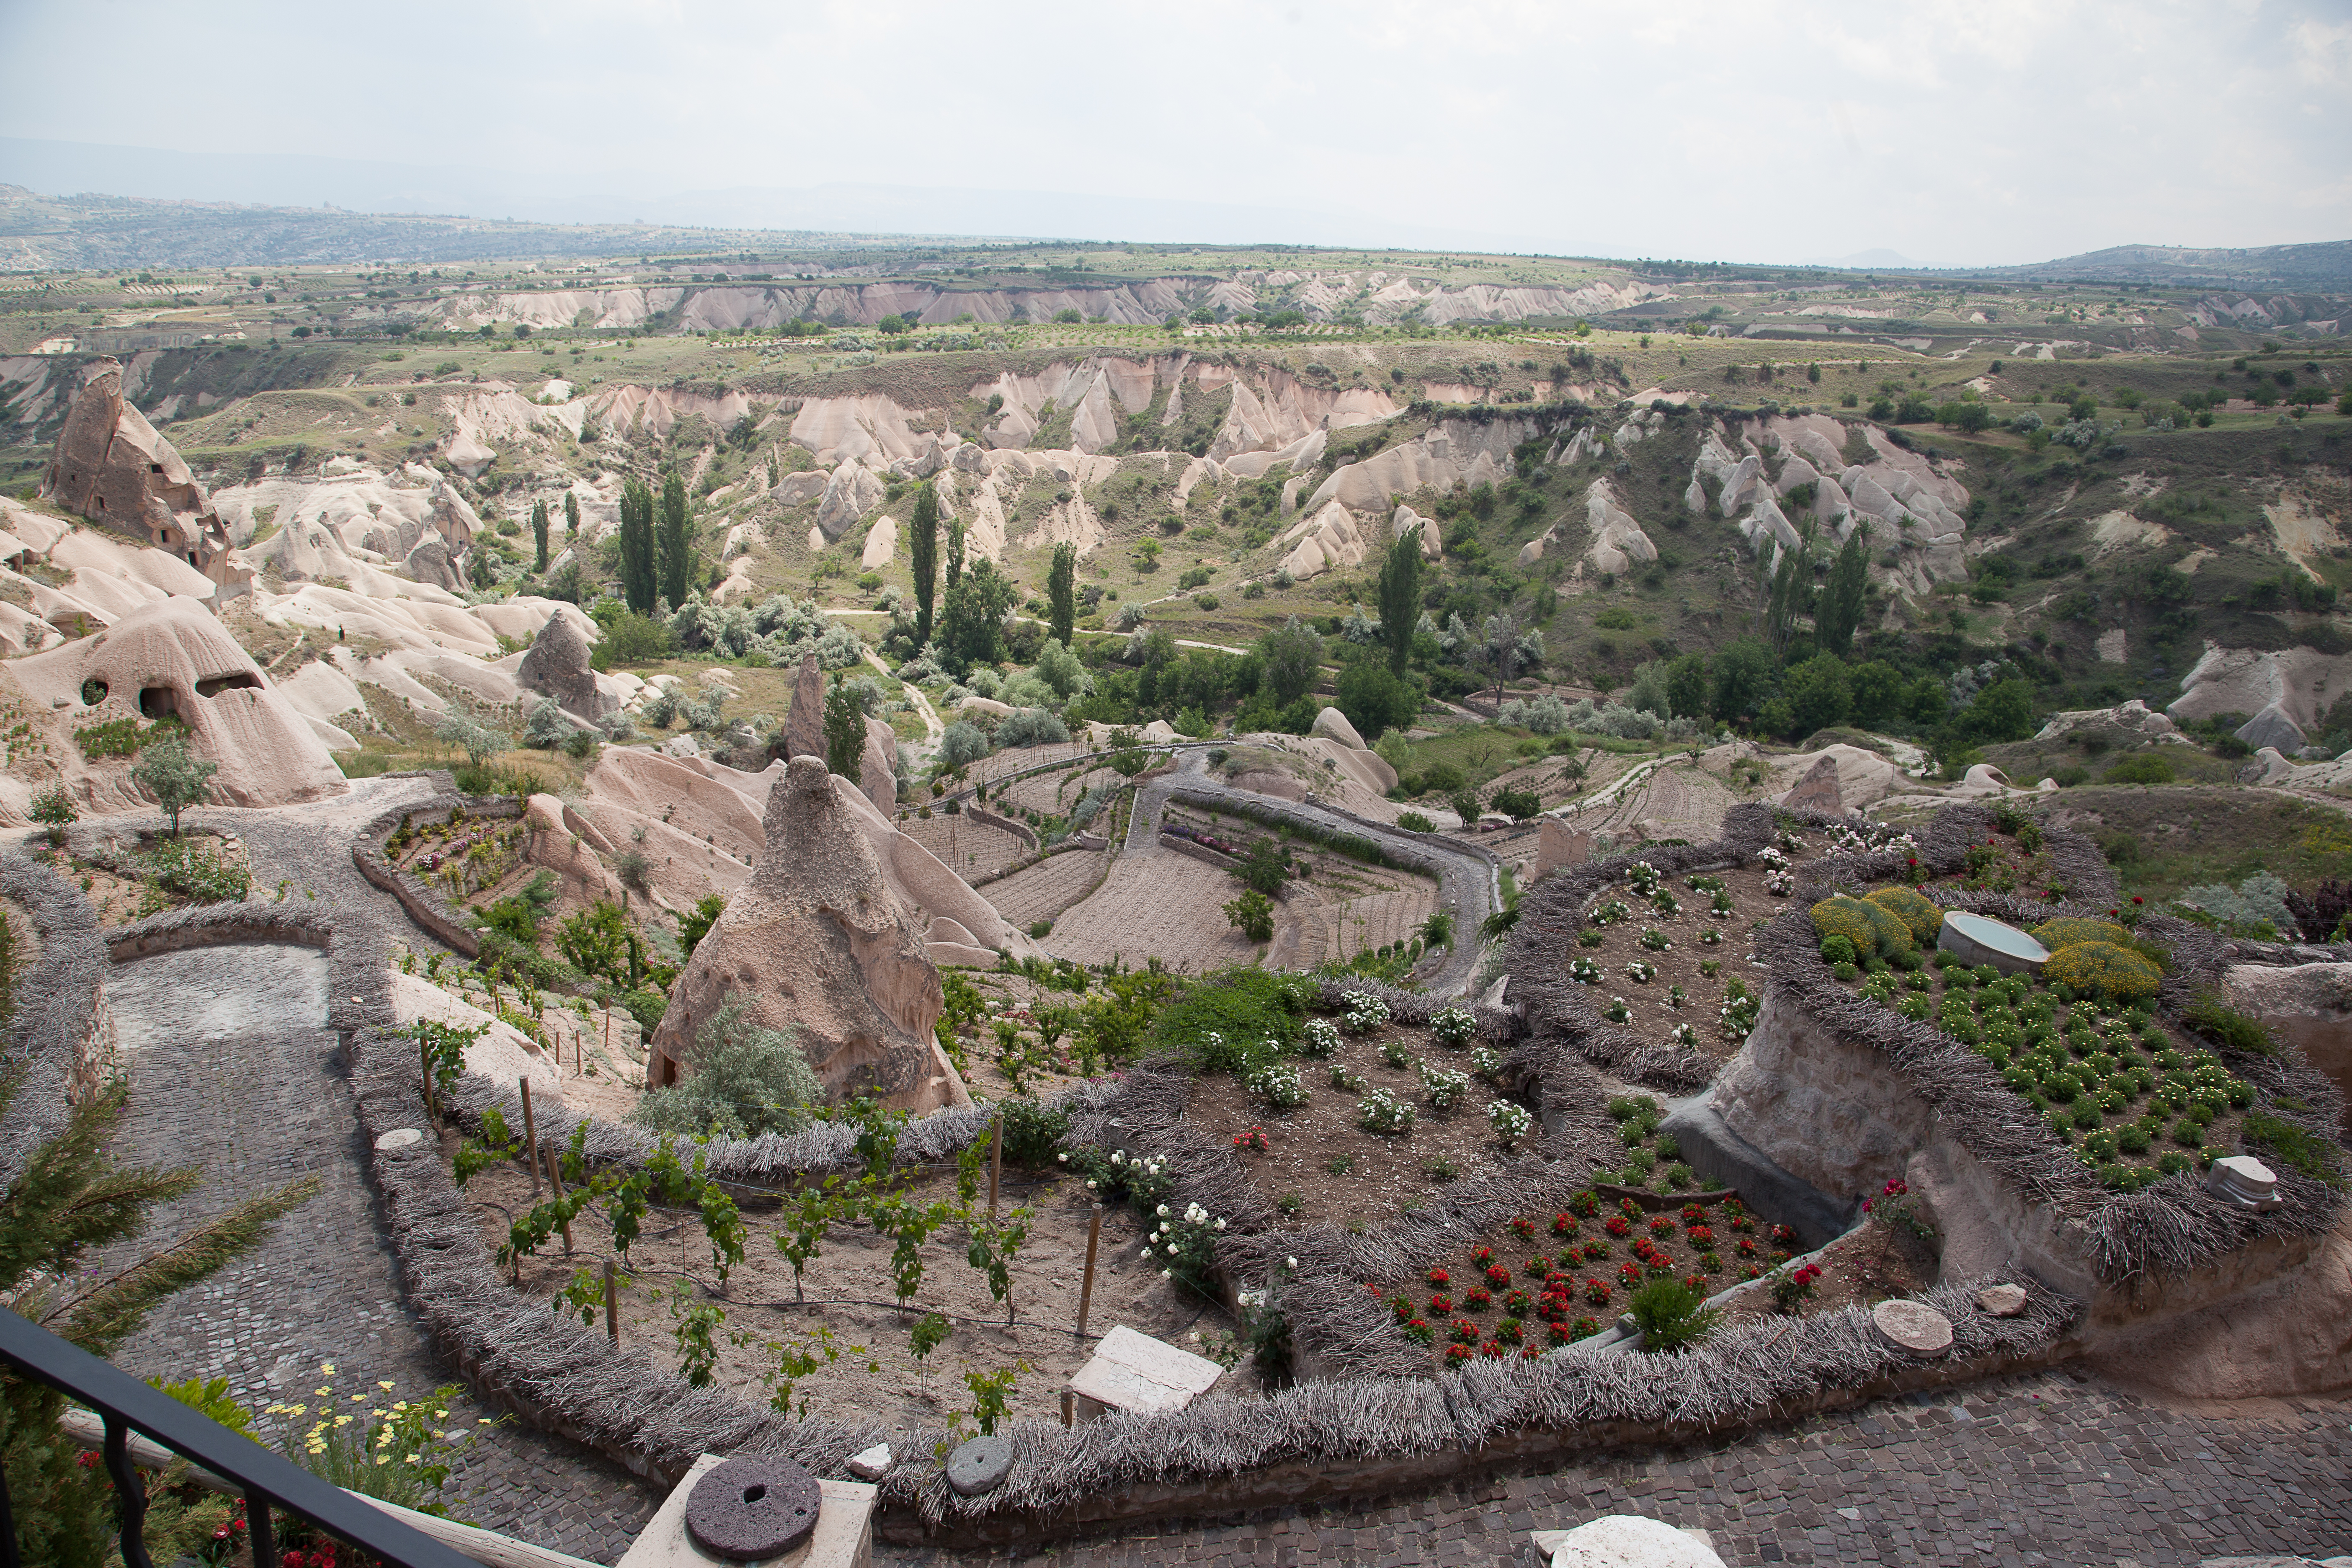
<point>111,467</point>
<point>818,942</point>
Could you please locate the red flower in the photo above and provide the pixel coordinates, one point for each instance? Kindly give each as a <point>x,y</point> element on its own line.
<point>1702,1236</point>
<point>1458,1353</point>
<point>1631,1273</point>
<point>1476,1298</point>
<point>1536,1267</point>
<point>1531,1354</point>
<point>1695,1282</point>
<point>1441,1305</point>
<point>1439,1277</point>
<point>2137,899</point>
<point>1596,1292</point>
<point>1662,1226</point>
<point>1464,1331</point>
<point>1619,1225</point>
<point>1524,1228</point>
<point>1497,1275</point>
<point>1693,1213</point>
<point>1483,1256</point>
<point>1563,1225</point>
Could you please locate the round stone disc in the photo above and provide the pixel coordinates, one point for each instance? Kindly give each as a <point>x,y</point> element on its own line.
<point>979,1465</point>
<point>1912,1327</point>
<point>752,1508</point>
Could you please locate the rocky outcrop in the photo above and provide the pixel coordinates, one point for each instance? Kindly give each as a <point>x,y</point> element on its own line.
<point>1618,543</point>
<point>1326,538</point>
<point>818,942</point>
<point>2273,728</point>
<point>877,766</point>
<point>854,491</point>
<point>110,465</point>
<point>2308,1005</point>
<point>1332,724</point>
<point>2301,682</point>
<point>430,562</point>
<point>803,733</point>
<point>2133,718</point>
<point>174,657</point>
<point>557,664</point>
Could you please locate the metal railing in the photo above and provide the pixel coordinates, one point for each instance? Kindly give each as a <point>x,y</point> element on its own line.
<point>268,1480</point>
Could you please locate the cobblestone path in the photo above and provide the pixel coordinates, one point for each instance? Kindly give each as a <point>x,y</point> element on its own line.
<point>230,1070</point>
<point>2056,1467</point>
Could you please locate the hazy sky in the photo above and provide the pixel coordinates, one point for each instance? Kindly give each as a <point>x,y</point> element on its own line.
<point>1991,131</point>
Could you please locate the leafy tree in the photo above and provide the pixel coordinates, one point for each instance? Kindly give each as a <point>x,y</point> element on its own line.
<point>1252,914</point>
<point>1375,698</point>
<point>1788,591</point>
<point>54,809</point>
<point>460,729</point>
<point>71,1199</point>
<point>696,924</point>
<point>2001,712</point>
<point>1159,652</point>
<point>1879,690</point>
<point>1061,593</point>
<point>844,729</point>
<point>640,577</point>
<point>1292,658</point>
<point>1686,686</point>
<point>1517,804</point>
<point>175,779</point>
<point>1743,672</point>
<point>677,541</point>
<point>1400,597</point>
<point>538,535</point>
<point>955,553</point>
<point>972,630</point>
<point>1840,612</point>
<point>923,557</point>
<point>1264,869</point>
<point>1818,694</point>
<point>571,517</point>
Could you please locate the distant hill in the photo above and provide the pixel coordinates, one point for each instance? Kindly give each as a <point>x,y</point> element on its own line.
<point>2325,265</point>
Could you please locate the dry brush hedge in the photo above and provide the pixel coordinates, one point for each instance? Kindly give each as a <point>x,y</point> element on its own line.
<point>57,1047</point>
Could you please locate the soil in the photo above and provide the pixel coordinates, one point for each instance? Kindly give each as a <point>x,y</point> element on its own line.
<point>1044,891</point>
<point>1874,1262</point>
<point>1383,1176</point>
<point>1161,905</point>
<point>121,898</point>
<point>1596,1273</point>
<point>1337,906</point>
<point>848,1291</point>
<point>966,847</point>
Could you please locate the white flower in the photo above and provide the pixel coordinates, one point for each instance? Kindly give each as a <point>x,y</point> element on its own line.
<point>1090,1187</point>
<point>1221,1225</point>
<point>1063,1158</point>
<point>1172,1249</point>
<point>1163,1211</point>
<point>1147,1254</point>
<point>1290,1263</point>
<point>1167,1274</point>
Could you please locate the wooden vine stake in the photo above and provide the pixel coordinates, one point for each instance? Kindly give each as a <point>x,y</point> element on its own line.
<point>555,1180</point>
<point>530,1138</point>
<point>1067,1398</point>
<point>995,1165</point>
<point>612,1307</point>
<point>425,1072</point>
<point>1086,1287</point>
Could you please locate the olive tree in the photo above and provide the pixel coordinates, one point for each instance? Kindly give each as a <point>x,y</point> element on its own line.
<point>175,779</point>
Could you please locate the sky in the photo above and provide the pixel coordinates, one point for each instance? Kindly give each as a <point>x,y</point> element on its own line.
<point>1993,132</point>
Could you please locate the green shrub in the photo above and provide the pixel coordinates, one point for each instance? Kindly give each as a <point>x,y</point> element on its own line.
<point>1837,950</point>
<point>2304,1152</point>
<point>1920,917</point>
<point>2064,933</point>
<point>1033,1131</point>
<point>2105,970</point>
<point>2145,769</point>
<point>194,868</point>
<point>2225,1026</point>
<point>1870,928</point>
<point>747,1081</point>
<point>1671,1316</point>
<point>1219,1020</point>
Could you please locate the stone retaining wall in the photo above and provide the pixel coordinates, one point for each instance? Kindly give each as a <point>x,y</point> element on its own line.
<point>60,1046</point>
<point>433,914</point>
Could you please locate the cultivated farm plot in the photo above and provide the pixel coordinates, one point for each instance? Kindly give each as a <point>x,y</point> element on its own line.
<point>849,1294</point>
<point>1157,904</point>
<point>1044,891</point>
<point>967,847</point>
<point>1055,794</point>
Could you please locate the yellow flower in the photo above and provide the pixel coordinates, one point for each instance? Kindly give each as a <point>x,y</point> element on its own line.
<point>343,1420</point>
<point>322,1392</point>
<point>382,1459</point>
<point>359,1399</point>
<point>328,1367</point>
<point>412,1458</point>
<point>385,1382</point>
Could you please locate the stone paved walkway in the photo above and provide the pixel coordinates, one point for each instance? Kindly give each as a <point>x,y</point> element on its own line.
<point>2055,1468</point>
<point>230,1070</point>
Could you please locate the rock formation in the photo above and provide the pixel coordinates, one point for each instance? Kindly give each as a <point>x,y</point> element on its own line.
<point>1817,790</point>
<point>557,664</point>
<point>111,467</point>
<point>818,942</point>
<point>877,766</point>
<point>174,657</point>
<point>2272,727</point>
<point>803,733</point>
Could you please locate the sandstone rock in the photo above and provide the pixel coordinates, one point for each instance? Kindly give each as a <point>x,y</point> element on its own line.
<point>818,941</point>
<point>557,664</point>
<point>872,1464</point>
<point>2291,1335</point>
<point>2001,1301</point>
<point>1559,845</point>
<point>1863,777</point>
<point>854,491</point>
<point>1332,724</point>
<point>172,657</point>
<point>2307,1005</point>
<point>1986,779</point>
<point>430,562</point>
<point>2267,766</point>
<point>683,746</point>
<point>1618,543</point>
<point>804,722</point>
<point>1627,1541</point>
<point>111,467</point>
<point>1817,790</point>
<point>1404,517</point>
<point>1912,1327</point>
<point>877,765</point>
<point>794,489</point>
<point>2273,728</point>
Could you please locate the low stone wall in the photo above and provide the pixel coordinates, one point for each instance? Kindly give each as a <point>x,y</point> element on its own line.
<point>60,1046</point>
<point>987,818</point>
<point>433,914</point>
<point>1074,841</point>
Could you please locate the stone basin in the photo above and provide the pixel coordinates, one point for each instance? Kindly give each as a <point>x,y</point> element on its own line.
<point>1976,938</point>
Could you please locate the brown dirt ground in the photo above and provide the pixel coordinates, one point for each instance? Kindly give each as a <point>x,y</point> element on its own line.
<point>1044,891</point>
<point>1385,1175</point>
<point>1865,1266</point>
<point>1653,1019</point>
<point>877,1376</point>
<point>964,845</point>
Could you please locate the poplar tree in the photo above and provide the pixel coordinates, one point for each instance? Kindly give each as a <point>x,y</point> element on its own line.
<point>1399,591</point>
<point>955,553</point>
<point>923,552</point>
<point>676,543</point>
<point>1840,609</point>
<point>538,533</point>
<point>571,518</point>
<point>639,583</point>
<point>1062,593</point>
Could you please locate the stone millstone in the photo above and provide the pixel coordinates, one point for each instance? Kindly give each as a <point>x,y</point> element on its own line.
<point>1912,1327</point>
<point>399,1138</point>
<point>980,1466</point>
<point>2002,1300</point>
<point>752,1508</point>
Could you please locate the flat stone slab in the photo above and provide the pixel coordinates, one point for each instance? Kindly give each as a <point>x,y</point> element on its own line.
<point>1136,1372</point>
<point>2245,1180</point>
<point>872,1464</point>
<point>843,1537</point>
<point>1626,1541</point>
<point>979,1465</point>
<point>2002,1300</point>
<point>1978,939</point>
<point>1912,1327</point>
<point>753,1509</point>
<point>399,1138</point>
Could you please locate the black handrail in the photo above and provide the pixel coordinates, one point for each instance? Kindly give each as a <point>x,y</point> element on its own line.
<point>127,1404</point>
